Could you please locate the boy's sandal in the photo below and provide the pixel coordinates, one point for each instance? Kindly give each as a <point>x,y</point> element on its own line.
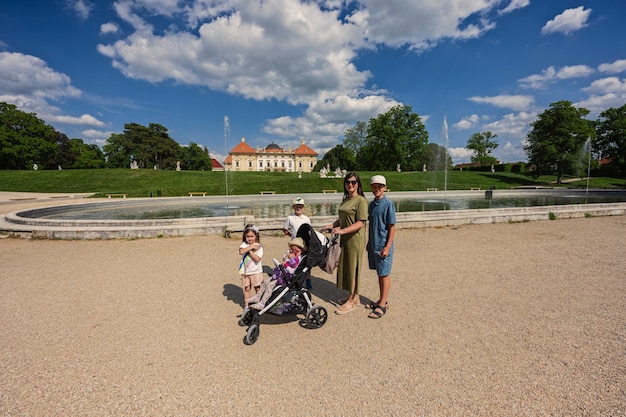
<point>377,312</point>
<point>373,306</point>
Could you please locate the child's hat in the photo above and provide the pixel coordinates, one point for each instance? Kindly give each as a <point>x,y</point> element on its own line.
<point>378,179</point>
<point>299,242</point>
<point>298,201</point>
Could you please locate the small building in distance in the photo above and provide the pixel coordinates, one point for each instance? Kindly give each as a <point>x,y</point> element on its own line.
<point>216,166</point>
<point>244,157</point>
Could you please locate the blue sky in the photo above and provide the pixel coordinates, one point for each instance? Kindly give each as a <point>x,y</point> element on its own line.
<point>289,70</point>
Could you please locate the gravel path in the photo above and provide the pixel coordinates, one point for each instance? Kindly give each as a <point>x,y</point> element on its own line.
<point>519,319</point>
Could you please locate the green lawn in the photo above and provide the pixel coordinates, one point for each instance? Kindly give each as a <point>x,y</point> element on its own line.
<point>146,182</point>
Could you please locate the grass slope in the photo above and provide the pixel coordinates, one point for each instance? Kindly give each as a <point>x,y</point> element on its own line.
<point>145,182</point>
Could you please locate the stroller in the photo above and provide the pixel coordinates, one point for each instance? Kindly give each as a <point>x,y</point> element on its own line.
<point>292,297</point>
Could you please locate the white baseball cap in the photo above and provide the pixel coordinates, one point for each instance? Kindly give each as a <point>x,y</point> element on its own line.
<point>378,179</point>
<point>298,201</point>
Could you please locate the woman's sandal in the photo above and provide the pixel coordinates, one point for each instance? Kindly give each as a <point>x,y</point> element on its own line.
<point>345,308</point>
<point>376,314</point>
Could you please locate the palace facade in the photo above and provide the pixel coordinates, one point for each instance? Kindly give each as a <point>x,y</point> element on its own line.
<point>244,157</point>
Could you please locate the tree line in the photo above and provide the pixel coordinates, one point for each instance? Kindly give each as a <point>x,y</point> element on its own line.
<point>26,141</point>
<point>560,141</point>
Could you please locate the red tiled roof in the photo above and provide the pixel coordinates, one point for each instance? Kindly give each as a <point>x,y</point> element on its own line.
<point>243,147</point>
<point>215,163</point>
<point>305,150</point>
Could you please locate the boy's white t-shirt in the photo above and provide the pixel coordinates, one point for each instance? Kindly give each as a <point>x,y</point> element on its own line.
<point>247,266</point>
<point>293,223</point>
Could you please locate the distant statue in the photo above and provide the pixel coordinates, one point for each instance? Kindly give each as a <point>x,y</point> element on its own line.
<point>338,172</point>
<point>493,169</point>
<point>178,166</point>
<point>35,167</point>
<point>60,169</point>
<point>300,173</point>
<point>424,168</point>
<point>323,172</point>
<point>134,165</point>
<point>343,173</point>
<point>398,168</point>
<point>154,167</point>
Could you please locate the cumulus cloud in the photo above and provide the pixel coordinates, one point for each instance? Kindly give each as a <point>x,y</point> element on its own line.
<point>550,74</point>
<point>604,93</point>
<point>514,5</point>
<point>302,53</point>
<point>29,83</point>
<point>615,67</point>
<point>466,122</point>
<point>567,22</point>
<point>106,28</point>
<point>514,102</point>
<point>82,8</point>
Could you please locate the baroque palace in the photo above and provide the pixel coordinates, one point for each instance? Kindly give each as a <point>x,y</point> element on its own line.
<point>244,157</point>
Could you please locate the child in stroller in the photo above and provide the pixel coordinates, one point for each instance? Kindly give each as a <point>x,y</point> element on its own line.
<point>297,247</point>
<point>285,291</point>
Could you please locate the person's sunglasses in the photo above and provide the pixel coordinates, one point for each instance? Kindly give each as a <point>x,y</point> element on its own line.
<point>352,182</point>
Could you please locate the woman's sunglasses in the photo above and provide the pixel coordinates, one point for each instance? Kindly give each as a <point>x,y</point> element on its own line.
<point>352,182</point>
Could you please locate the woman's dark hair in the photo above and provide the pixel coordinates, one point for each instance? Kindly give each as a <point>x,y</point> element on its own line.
<point>356,177</point>
<point>251,228</point>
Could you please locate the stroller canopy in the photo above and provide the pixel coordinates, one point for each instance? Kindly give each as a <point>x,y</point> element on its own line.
<point>316,243</point>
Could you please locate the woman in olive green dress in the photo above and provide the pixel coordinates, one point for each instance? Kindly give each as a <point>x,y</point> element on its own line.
<point>350,226</point>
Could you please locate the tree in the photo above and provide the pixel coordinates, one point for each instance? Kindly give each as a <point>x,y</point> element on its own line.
<point>337,157</point>
<point>395,137</point>
<point>25,139</point>
<point>194,157</point>
<point>611,137</point>
<point>557,138</point>
<point>436,157</point>
<point>147,145</point>
<point>482,145</point>
<point>87,155</point>
<point>354,140</point>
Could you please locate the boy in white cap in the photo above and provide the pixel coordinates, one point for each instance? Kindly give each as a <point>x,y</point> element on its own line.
<point>294,221</point>
<point>297,219</point>
<point>382,221</point>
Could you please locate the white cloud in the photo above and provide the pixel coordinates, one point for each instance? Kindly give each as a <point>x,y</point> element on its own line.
<point>607,85</point>
<point>29,83</point>
<point>613,68</point>
<point>110,27</point>
<point>294,51</point>
<point>82,8</point>
<point>460,155</point>
<point>550,74</point>
<point>94,134</point>
<point>511,125</point>
<point>514,102</point>
<point>604,94</point>
<point>83,120</point>
<point>422,24</point>
<point>567,22</point>
<point>466,122</point>
<point>514,5</point>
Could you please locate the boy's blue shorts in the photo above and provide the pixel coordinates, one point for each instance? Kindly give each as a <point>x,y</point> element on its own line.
<point>381,265</point>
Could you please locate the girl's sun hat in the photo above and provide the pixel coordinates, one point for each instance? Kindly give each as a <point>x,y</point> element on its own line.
<point>299,242</point>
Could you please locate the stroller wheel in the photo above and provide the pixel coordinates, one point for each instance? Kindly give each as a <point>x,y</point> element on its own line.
<point>316,317</point>
<point>246,318</point>
<point>252,335</point>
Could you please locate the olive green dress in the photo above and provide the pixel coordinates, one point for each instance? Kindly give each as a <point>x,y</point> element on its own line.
<point>352,244</point>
